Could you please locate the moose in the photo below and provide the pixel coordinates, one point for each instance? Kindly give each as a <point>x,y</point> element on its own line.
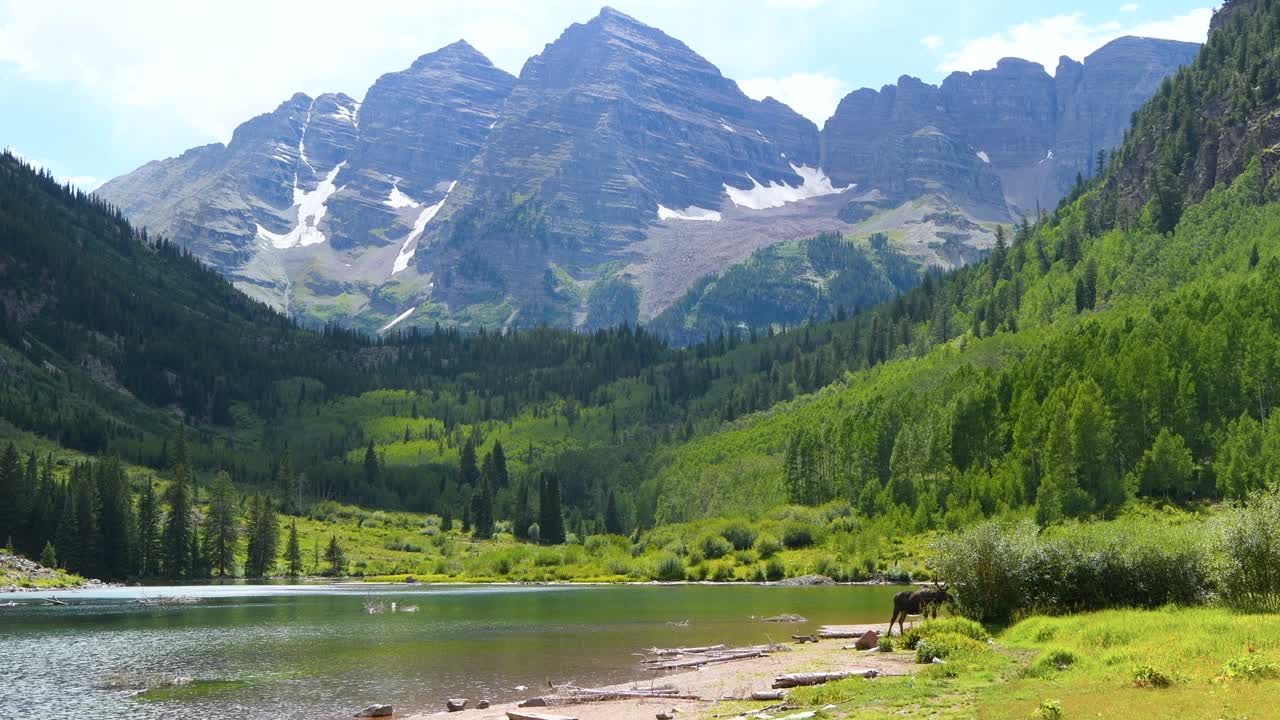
<point>920,602</point>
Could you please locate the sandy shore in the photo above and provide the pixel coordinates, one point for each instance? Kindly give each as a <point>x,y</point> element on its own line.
<point>713,683</point>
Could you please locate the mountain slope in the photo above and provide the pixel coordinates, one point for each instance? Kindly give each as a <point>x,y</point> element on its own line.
<point>619,170</point>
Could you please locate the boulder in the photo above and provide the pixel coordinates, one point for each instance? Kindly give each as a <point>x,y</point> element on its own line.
<point>869,639</point>
<point>376,711</point>
<point>482,705</point>
<point>456,704</point>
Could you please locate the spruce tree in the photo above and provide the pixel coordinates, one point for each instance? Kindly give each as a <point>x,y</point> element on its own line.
<point>88,519</point>
<point>612,520</point>
<point>468,471</point>
<point>293,552</point>
<point>49,556</point>
<point>179,532</point>
<point>10,480</point>
<point>147,557</point>
<point>371,468</point>
<point>116,521</point>
<point>222,526</point>
<point>335,557</point>
<point>501,478</point>
<point>550,519</point>
<point>67,536</point>
<point>264,538</point>
<point>522,516</point>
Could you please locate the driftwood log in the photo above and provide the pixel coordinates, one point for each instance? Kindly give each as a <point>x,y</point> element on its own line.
<point>521,715</point>
<point>666,652</point>
<point>804,679</point>
<point>774,695</point>
<point>573,695</point>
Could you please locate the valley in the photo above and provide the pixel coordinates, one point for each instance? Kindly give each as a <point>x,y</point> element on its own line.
<point>634,366</point>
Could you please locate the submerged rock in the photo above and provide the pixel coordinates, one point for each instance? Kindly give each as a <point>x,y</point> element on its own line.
<point>376,711</point>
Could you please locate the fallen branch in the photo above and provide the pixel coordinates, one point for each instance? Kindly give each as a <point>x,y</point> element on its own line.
<point>687,651</point>
<point>806,679</point>
<point>572,695</point>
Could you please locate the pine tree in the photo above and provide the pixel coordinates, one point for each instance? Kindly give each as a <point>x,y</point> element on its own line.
<point>179,531</point>
<point>522,515</point>
<point>335,557</point>
<point>371,467</point>
<point>289,486</point>
<point>11,524</point>
<point>1253,256</point>
<point>612,520</point>
<point>264,538</point>
<point>116,521</point>
<point>27,508</point>
<point>67,535</point>
<point>222,527</point>
<point>550,519</point>
<point>293,552</point>
<point>88,519</point>
<point>147,557</point>
<point>501,478</point>
<point>468,471</point>
<point>49,556</point>
<point>482,509</point>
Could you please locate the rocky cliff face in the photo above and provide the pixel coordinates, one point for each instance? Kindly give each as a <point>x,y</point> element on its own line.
<point>615,172</point>
<point>325,197</point>
<point>1027,133</point>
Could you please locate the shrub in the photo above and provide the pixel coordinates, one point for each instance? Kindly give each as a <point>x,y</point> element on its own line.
<point>939,626</point>
<point>1145,676</point>
<point>987,565</point>
<point>1049,710</point>
<point>796,535</point>
<point>598,545</point>
<point>774,569</point>
<point>723,572</point>
<point>886,644</point>
<point>768,546</point>
<point>667,567</point>
<point>744,557</point>
<point>714,546</point>
<point>946,646</point>
<point>741,535</point>
<point>1250,667</point>
<point>1247,550</point>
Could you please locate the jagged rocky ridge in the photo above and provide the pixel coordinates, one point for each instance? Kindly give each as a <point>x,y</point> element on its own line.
<point>614,173</point>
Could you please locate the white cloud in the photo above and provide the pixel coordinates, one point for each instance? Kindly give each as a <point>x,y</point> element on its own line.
<point>1045,40</point>
<point>933,42</point>
<point>1129,8</point>
<point>813,95</point>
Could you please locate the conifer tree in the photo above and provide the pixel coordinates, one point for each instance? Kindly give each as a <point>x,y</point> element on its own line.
<point>335,557</point>
<point>612,520</point>
<point>10,483</point>
<point>550,519</point>
<point>371,467</point>
<point>147,557</point>
<point>293,552</point>
<point>116,521</point>
<point>179,531</point>
<point>468,471</point>
<point>522,515</point>
<point>222,526</point>
<point>67,536</point>
<point>264,538</point>
<point>49,556</point>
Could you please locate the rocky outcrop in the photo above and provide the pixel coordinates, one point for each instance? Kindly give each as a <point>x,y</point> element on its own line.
<point>1012,135</point>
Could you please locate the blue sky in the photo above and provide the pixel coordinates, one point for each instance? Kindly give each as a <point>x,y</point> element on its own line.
<point>92,89</point>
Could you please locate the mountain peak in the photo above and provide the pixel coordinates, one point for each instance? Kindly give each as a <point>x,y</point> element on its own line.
<point>457,51</point>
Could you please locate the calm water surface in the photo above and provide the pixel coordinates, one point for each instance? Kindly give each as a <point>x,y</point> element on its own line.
<point>312,652</point>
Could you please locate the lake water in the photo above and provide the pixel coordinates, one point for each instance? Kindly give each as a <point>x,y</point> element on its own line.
<point>313,652</point>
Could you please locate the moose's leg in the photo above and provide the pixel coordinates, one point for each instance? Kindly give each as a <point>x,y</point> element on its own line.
<point>891,621</point>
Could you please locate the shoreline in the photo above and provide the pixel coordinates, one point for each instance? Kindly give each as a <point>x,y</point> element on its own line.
<point>717,686</point>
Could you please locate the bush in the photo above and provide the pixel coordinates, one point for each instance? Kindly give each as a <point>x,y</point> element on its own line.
<point>714,546</point>
<point>598,545</point>
<point>774,569</point>
<point>1250,667</point>
<point>741,535</point>
<point>941,626</point>
<point>1049,710</point>
<point>667,567</point>
<point>996,569</point>
<point>723,572</point>
<point>1247,552</point>
<point>797,536</point>
<point>886,644</point>
<point>1145,676</point>
<point>948,646</point>
<point>767,546</point>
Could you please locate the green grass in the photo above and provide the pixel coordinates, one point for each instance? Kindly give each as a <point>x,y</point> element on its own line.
<point>1198,663</point>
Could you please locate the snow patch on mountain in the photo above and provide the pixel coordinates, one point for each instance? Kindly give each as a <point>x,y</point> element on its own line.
<point>399,200</point>
<point>312,206</point>
<point>815,183</point>
<point>689,213</point>
<point>399,317</point>
<point>406,251</point>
